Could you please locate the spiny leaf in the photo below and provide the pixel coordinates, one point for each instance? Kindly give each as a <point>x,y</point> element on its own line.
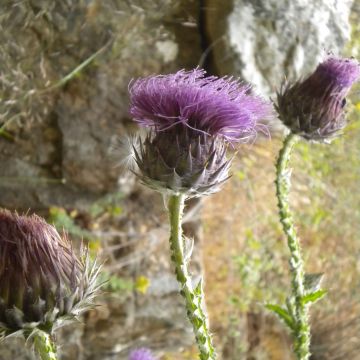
<point>198,288</point>
<point>282,313</point>
<point>312,282</point>
<point>313,297</point>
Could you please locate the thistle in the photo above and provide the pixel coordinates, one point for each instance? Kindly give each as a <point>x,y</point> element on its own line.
<point>314,110</point>
<point>192,120</point>
<point>141,354</point>
<point>42,282</point>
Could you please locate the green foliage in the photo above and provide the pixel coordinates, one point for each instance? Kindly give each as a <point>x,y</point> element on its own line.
<point>328,170</point>
<point>110,204</point>
<point>62,220</point>
<point>282,313</point>
<point>123,286</point>
<point>314,296</point>
<point>116,284</point>
<point>255,266</point>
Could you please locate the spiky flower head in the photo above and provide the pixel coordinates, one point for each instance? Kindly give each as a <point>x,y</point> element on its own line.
<point>141,354</point>
<point>192,119</point>
<point>314,108</point>
<point>42,282</point>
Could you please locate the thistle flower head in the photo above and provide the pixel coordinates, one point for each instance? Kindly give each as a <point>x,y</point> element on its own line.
<point>192,118</point>
<point>141,354</point>
<point>41,279</point>
<point>211,105</point>
<point>314,107</point>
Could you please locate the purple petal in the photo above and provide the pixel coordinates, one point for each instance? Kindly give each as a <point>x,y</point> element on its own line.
<point>339,72</point>
<point>210,105</point>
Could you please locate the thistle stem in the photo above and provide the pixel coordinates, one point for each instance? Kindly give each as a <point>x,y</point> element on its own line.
<point>301,329</point>
<point>44,346</point>
<point>193,296</point>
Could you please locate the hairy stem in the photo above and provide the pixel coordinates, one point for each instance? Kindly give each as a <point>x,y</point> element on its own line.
<point>193,296</point>
<point>301,327</point>
<point>44,346</point>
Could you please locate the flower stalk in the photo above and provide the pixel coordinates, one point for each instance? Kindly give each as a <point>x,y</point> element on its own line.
<point>193,296</point>
<point>301,327</point>
<point>192,119</point>
<point>44,346</point>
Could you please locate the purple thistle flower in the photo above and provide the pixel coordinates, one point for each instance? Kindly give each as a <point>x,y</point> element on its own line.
<point>211,105</point>
<point>192,119</point>
<point>141,354</point>
<point>314,107</point>
<point>41,279</point>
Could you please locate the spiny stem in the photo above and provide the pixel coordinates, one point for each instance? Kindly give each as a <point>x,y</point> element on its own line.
<point>44,346</point>
<point>193,296</point>
<point>302,327</point>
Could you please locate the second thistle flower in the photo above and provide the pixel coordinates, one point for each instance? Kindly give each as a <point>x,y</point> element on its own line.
<point>42,282</point>
<point>314,108</point>
<point>192,120</point>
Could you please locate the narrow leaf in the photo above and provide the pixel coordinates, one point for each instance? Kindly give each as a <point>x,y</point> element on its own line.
<point>198,289</point>
<point>282,313</point>
<point>313,297</point>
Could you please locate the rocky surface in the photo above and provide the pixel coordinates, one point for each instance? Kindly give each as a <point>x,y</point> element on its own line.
<point>264,41</point>
<point>61,131</point>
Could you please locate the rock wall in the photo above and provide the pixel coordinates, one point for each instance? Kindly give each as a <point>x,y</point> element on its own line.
<point>61,131</point>
<point>264,41</point>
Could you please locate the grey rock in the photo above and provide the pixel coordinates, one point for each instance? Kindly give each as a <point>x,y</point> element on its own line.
<point>264,41</point>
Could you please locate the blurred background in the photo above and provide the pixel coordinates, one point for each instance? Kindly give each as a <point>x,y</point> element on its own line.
<point>65,66</point>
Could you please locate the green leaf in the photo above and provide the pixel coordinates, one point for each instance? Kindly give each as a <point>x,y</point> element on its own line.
<point>198,289</point>
<point>313,297</point>
<point>282,313</point>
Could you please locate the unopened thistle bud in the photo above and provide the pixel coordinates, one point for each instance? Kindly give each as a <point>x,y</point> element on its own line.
<point>314,108</point>
<point>42,282</point>
<point>192,120</point>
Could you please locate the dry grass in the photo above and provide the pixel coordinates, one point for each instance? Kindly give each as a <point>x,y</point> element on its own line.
<point>241,224</point>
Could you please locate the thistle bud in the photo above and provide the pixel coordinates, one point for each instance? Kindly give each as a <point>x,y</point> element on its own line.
<point>193,119</point>
<point>41,280</point>
<point>314,108</point>
<point>141,354</point>
<point>182,162</point>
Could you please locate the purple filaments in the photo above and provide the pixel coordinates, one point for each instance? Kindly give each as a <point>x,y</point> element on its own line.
<point>41,279</point>
<point>192,119</point>
<point>210,105</point>
<point>314,107</point>
<point>340,73</point>
<point>141,354</point>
